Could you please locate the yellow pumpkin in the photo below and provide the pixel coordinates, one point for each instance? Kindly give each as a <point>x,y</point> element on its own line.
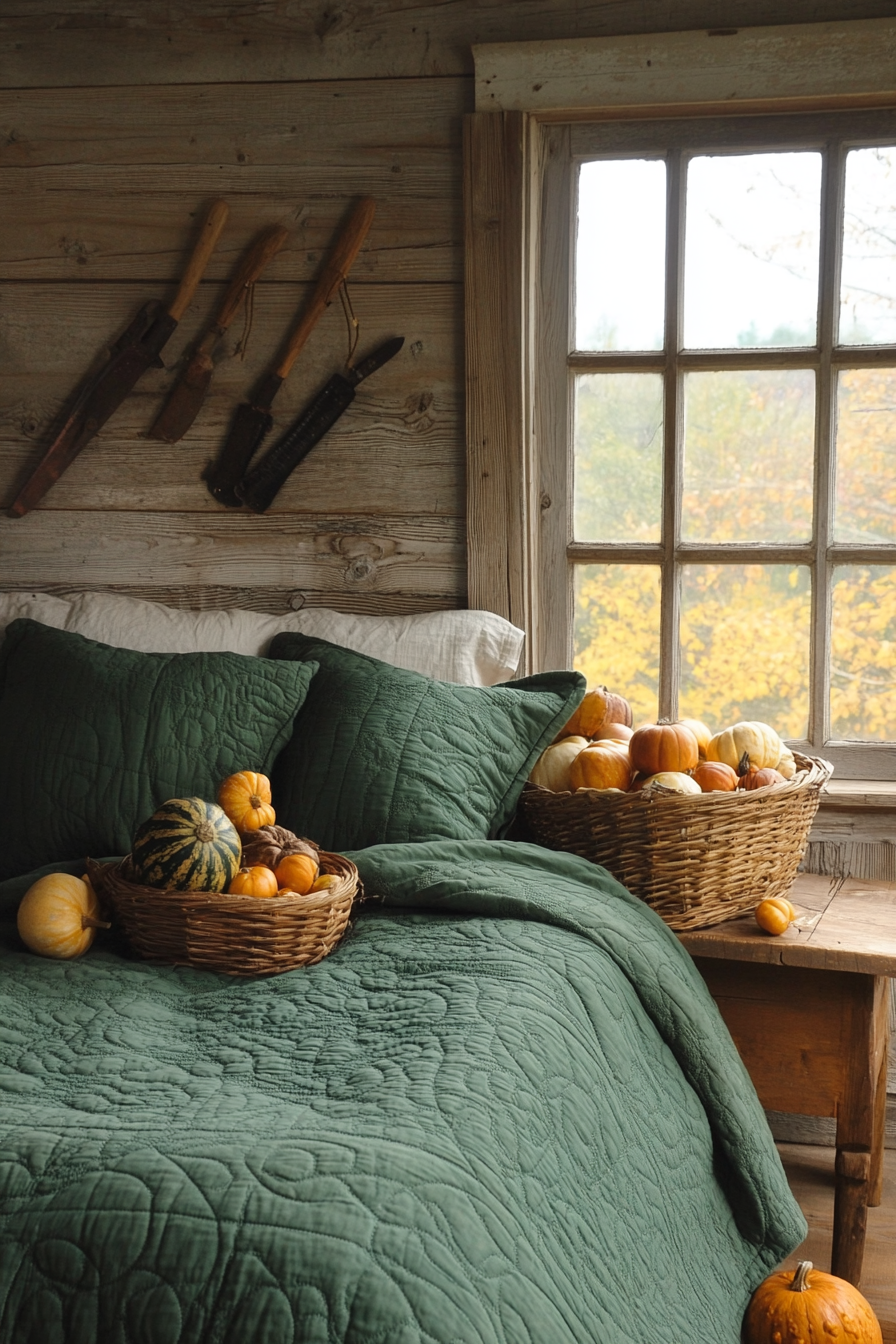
<point>746,744</point>
<point>806,1304</point>
<point>786,765</point>
<point>773,915</point>
<point>325,881</point>
<point>246,799</point>
<point>551,770</point>
<point>255,881</point>
<point>59,916</point>
<point>603,765</point>
<point>701,732</point>
<point>671,781</point>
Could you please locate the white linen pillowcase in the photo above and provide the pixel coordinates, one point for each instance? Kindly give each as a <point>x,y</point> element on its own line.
<point>43,607</point>
<point>473,648</point>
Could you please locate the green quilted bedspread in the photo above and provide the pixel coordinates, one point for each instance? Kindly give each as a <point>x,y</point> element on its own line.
<point>503,1111</point>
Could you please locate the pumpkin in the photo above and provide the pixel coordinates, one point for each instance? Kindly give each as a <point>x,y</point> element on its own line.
<point>298,872</point>
<point>760,779</point>
<point>325,881</point>
<point>671,781</point>
<point>59,915</point>
<point>603,765</point>
<point>773,915</point>
<point>187,845</point>
<point>715,777</point>
<point>746,744</point>
<point>598,708</point>
<point>806,1304</point>
<point>786,765</point>
<point>663,746</point>
<point>255,881</point>
<point>614,732</point>
<point>701,732</point>
<point>551,770</point>
<point>246,799</point>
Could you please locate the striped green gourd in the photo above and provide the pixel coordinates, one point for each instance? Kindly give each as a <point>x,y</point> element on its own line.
<point>187,845</point>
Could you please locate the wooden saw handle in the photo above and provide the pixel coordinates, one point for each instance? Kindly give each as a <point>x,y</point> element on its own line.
<point>205,246</point>
<point>339,263</point>
<point>251,265</point>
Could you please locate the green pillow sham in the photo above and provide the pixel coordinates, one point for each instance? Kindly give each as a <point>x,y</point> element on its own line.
<point>93,739</point>
<point>380,754</point>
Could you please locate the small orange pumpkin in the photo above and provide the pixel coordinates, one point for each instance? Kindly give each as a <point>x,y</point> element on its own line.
<point>773,915</point>
<point>297,872</point>
<point>759,779</point>
<point>603,765</point>
<point>614,732</point>
<point>715,777</point>
<point>658,747</point>
<point>599,707</point>
<point>246,799</point>
<point>255,881</point>
<point>790,1305</point>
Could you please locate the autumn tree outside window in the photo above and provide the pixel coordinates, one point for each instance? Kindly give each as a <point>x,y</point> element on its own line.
<point>700,482</point>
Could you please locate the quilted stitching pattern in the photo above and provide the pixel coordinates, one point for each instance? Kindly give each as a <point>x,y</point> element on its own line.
<point>503,1111</point>
<point>93,739</point>
<point>382,754</point>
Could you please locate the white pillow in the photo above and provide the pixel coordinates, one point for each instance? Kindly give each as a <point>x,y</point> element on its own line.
<point>475,648</point>
<point>41,607</point>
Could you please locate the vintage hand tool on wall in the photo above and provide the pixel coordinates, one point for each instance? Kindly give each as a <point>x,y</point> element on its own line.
<point>253,420</point>
<point>132,354</point>
<point>185,401</point>
<point>260,485</point>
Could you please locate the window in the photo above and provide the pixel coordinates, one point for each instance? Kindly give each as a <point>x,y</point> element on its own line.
<point>709,492</point>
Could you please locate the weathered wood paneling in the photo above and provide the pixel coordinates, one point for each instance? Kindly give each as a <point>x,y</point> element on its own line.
<point>132,42</point>
<point>102,183</point>
<point>395,450</point>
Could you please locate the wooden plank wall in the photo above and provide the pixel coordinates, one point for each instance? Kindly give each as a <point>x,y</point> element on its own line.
<point>119,121</point>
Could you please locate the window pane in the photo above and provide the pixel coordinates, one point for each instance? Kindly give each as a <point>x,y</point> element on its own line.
<point>748,455</point>
<point>620,255</point>
<point>617,632</point>
<point>618,456</point>
<point>868,274</point>
<point>745,645</point>
<point>863,653</point>
<point>865,501</point>
<point>751,250</point>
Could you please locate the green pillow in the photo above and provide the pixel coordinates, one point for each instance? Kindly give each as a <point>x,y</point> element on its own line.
<point>93,739</point>
<point>380,754</point>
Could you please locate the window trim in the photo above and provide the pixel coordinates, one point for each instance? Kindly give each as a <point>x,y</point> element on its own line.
<point>516,468</point>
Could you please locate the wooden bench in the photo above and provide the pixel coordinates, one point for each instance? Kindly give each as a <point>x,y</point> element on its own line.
<point>809,1013</point>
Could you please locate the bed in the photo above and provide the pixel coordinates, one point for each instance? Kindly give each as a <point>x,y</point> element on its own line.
<point>504,1109</point>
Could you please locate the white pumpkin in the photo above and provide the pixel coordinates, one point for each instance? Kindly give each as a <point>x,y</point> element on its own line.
<point>757,741</point>
<point>551,770</point>
<point>671,781</point>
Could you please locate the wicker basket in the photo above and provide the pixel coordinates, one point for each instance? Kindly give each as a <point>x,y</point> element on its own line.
<point>239,935</point>
<point>698,859</point>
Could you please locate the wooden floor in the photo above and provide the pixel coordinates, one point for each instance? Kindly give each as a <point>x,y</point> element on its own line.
<point>810,1170</point>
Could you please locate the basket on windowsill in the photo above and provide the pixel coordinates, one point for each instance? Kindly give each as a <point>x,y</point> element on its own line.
<point>239,935</point>
<point>697,859</point>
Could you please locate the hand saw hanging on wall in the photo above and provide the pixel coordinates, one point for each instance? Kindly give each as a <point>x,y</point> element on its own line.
<point>132,354</point>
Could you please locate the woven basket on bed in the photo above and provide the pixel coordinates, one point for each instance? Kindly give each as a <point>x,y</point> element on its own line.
<point>698,859</point>
<point>239,935</point>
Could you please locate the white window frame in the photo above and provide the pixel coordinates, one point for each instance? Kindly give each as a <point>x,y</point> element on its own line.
<point>518,188</point>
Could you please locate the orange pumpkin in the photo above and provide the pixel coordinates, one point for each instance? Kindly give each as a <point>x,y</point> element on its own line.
<point>659,747</point>
<point>59,915</point>
<point>246,799</point>
<point>715,777</point>
<point>255,881</point>
<point>806,1304</point>
<point>598,708</point>
<point>604,765</point>
<point>773,915</point>
<point>614,732</point>
<point>758,779</point>
<point>297,872</point>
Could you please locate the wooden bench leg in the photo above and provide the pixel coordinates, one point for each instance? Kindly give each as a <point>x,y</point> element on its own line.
<point>853,1172</point>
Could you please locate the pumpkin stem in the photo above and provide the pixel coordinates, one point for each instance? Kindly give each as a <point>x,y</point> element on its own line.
<point>255,802</point>
<point>88,922</point>
<point>743,765</point>
<point>205,832</point>
<point>800,1281</point>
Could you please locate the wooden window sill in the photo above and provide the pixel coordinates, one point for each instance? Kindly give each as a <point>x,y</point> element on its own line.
<point>858,795</point>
